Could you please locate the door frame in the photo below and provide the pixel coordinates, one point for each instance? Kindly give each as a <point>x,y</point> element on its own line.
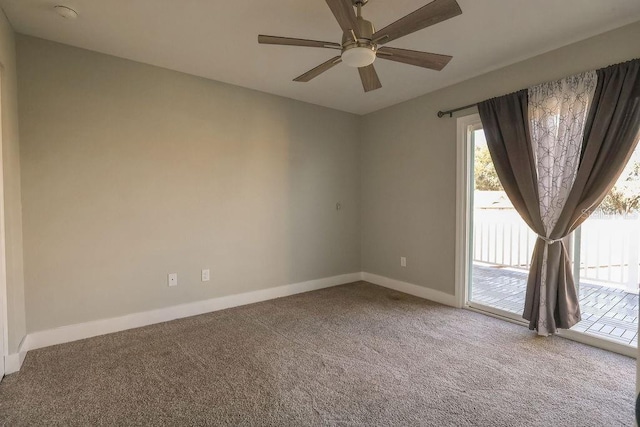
<point>4,312</point>
<point>463,208</point>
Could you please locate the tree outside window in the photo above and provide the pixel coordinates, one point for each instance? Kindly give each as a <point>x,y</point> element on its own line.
<point>623,199</point>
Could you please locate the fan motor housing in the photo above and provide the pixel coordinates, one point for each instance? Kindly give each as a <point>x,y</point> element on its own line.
<point>365,29</point>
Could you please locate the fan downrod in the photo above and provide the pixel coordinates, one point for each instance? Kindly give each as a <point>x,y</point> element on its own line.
<point>365,30</point>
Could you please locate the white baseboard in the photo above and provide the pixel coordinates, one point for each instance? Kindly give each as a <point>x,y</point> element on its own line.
<point>411,289</point>
<point>13,362</point>
<point>94,328</point>
<point>80,331</point>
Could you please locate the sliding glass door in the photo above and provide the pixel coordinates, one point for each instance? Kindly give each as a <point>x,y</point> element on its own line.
<point>605,249</point>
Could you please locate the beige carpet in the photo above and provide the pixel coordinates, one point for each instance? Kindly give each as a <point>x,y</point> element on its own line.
<point>356,354</point>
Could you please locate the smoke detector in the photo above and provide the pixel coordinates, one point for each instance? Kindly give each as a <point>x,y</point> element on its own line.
<point>66,12</point>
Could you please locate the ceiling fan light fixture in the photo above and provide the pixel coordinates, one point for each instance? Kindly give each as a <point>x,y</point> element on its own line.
<point>358,56</point>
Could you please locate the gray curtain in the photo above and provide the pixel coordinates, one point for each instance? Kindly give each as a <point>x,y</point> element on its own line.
<point>610,135</point>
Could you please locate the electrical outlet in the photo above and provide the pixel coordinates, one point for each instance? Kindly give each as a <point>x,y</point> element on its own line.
<point>172,279</point>
<point>205,275</point>
<point>403,261</point>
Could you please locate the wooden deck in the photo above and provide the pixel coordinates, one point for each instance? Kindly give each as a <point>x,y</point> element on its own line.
<point>606,312</point>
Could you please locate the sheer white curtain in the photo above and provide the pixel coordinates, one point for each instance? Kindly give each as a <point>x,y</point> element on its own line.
<point>557,115</point>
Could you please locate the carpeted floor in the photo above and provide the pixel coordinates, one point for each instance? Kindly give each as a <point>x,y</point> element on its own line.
<point>356,354</point>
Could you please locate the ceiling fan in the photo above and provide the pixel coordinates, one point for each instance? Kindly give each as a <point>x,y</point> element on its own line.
<point>360,40</point>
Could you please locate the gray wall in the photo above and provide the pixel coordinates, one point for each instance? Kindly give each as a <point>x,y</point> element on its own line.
<point>12,199</point>
<point>409,161</point>
<point>131,172</point>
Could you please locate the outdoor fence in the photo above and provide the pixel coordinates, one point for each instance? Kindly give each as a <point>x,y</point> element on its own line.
<point>609,245</point>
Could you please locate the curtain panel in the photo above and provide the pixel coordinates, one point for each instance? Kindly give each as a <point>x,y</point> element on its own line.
<point>558,148</point>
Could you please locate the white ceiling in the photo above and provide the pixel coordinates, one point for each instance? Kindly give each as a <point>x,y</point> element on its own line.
<point>217,39</point>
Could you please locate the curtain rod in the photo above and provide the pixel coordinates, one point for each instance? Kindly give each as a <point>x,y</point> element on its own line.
<point>450,112</point>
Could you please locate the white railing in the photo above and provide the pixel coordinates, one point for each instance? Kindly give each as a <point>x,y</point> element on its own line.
<point>501,237</point>
<point>609,245</point>
<point>609,250</point>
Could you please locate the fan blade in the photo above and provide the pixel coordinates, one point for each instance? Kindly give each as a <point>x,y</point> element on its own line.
<point>288,41</point>
<point>432,61</point>
<point>318,70</point>
<point>345,15</point>
<point>369,77</point>
<point>434,12</point>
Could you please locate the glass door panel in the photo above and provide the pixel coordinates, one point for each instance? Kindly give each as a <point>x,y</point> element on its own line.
<point>501,243</point>
<point>607,261</point>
